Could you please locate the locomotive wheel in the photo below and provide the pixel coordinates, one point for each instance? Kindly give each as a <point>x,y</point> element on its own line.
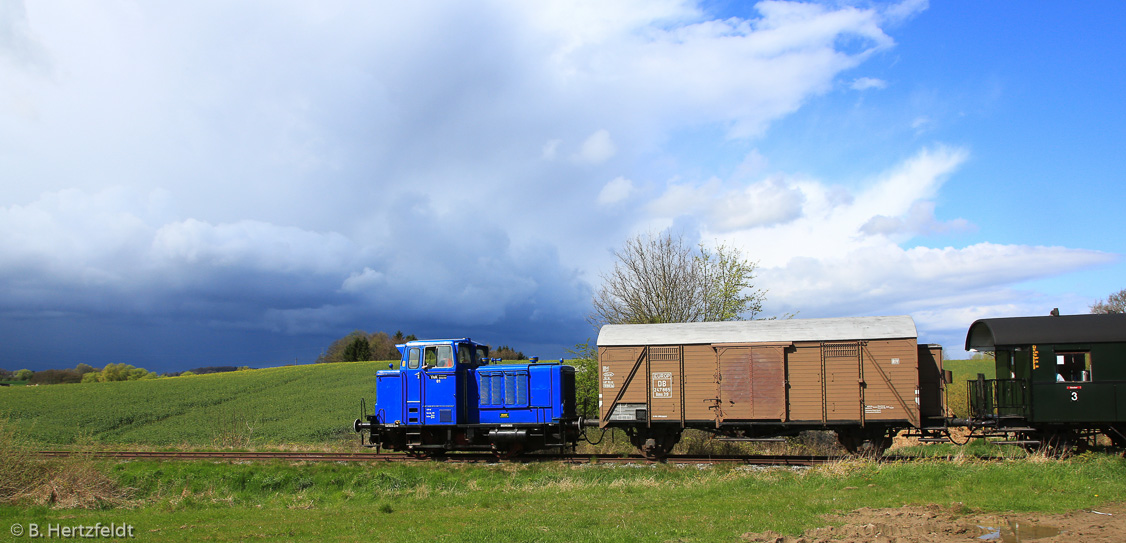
<point>507,452</point>
<point>427,454</point>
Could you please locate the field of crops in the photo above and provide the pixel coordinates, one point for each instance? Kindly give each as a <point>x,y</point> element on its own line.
<point>293,404</point>
<point>314,403</point>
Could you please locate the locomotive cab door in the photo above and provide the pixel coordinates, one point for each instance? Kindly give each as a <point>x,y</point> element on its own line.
<point>439,385</point>
<point>412,387</point>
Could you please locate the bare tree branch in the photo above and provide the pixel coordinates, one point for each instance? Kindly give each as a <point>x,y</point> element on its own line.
<point>660,279</point>
<point>1115,303</point>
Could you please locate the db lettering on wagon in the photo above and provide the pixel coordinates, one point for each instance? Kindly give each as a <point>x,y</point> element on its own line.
<point>662,384</point>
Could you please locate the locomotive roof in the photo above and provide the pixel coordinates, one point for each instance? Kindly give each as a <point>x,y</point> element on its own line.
<point>987,334</point>
<point>689,333</point>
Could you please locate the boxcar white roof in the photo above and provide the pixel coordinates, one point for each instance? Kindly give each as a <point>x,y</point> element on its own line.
<point>696,333</point>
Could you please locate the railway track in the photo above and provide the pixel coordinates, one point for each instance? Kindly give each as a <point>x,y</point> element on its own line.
<point>472,458</point>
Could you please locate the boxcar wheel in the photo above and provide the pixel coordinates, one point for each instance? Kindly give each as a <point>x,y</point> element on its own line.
<point>862,441</point>
<point>654,443</point>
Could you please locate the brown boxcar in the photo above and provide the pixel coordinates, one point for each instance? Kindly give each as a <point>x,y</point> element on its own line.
<point>857,376</point>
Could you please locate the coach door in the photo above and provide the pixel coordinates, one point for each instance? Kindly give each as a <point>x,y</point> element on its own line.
<point>752,382</point>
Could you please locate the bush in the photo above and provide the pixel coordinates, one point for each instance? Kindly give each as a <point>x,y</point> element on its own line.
<point>54,377</point>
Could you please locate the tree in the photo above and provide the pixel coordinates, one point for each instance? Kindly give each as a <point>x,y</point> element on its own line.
<point>383,347</point>
<point>83,369</point>
<point>660,279</point>
<point>120,372</point>
<point>728,289</point>
<point>24,374</point>
<point>54,377</point>
<point>380,347</point>
<point>335,351</point>
<point>1115,303</point>
<point>584,358</point>
<point>504,352</point>
<point>357,350</point>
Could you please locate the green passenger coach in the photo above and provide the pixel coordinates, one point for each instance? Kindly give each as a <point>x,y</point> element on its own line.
<point>1060,379</point>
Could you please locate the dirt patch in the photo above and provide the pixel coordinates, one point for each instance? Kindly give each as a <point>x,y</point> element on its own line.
<point>934,524</point>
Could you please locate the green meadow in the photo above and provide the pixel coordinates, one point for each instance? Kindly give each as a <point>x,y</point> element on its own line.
<point>312,407</point>
<point>292,404</point>
<point>219,501</point>
<point>311,404</point>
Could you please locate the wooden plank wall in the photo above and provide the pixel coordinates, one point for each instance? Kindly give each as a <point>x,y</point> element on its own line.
<point>803,362</point>
<point>615,364</point>
<point>899,360</point>
<point>700,382</point>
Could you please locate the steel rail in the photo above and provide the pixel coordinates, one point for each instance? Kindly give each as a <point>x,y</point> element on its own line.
<point>771,460</point>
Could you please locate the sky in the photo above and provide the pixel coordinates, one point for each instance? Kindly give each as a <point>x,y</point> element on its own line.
<point>187,184</point>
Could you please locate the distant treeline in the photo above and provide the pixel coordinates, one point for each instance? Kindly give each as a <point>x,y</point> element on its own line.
<point>360,346</point>
<point>85,373</point>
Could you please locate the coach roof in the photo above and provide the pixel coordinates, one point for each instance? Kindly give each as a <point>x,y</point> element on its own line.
<point>696,333</point>
<point>986,334</point>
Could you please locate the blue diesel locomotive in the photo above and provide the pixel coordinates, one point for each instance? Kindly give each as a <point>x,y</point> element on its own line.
<point>447,395</point>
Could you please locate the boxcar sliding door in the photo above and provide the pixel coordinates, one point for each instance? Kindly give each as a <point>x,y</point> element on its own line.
<point>751,382</point>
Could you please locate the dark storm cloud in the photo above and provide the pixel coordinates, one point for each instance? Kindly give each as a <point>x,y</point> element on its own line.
<point>285,173</point>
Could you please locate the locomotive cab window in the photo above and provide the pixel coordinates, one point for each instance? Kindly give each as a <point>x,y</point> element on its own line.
<point>412,359</point>
<point>464,355</point>
<point>439,356</point>
<point>1073,366</point>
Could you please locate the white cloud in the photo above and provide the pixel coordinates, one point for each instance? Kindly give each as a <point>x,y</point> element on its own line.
<point>898,13</point>
<point>761,204</point>
<point>550,149</point>
<point>919,220</point>
<point>827,250</point>
<point>865,83</point>
<point>596,149</point>
<point>615,191</point>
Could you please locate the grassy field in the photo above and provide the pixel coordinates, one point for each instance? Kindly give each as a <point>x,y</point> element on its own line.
<point>191,501</point>
<point>286,405</point>
<point>293,404</point>
<point>313,405</point>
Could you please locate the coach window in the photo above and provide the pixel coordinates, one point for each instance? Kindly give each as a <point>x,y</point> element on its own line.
<point>412,359</point>
<point>1073,366</point>
<point>430,357</point>
<point>464,355</point>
